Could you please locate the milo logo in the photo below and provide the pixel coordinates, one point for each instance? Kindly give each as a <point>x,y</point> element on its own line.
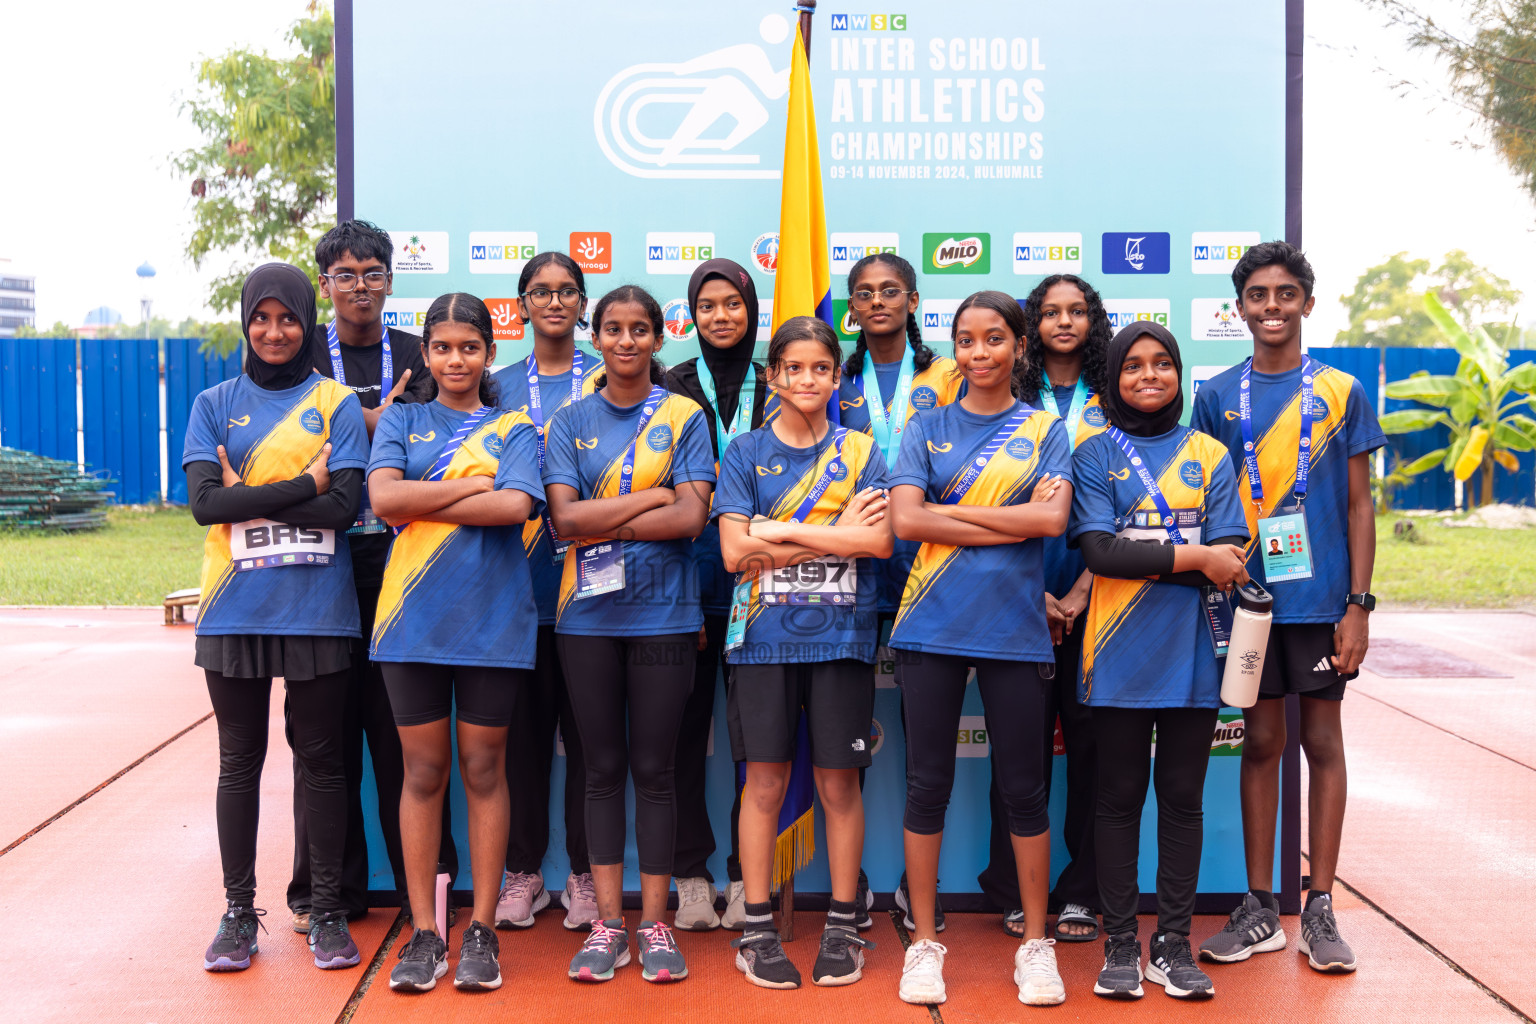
<point>1228,737</point>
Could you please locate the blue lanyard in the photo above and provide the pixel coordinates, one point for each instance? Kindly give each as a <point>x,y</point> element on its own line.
<point>451,448</point>
<point>887,427</point>
<point>1148,483</point>
<point>536,401</point>
<point>652,403</point>
<point>979,463</point>
<point>725,435</point>
<point>1080,397</point>
<point>386,362</point>
<point>1303,447</point>
<point>828,474</point>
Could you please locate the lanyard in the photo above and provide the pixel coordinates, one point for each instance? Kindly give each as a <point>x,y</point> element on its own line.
<point>1303,447</point>
<point>827,476</point>
<point>887,427</point>
<point>386,362</point>
<point>536,401</point>
<point>446,455</point>
<point>1080,396</point>
<point>652,403</point>
<point>979,463</point>
<point>1148,483</point>
<point>725,435</point>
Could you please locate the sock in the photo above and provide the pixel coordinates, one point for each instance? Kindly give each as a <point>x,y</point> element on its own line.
<point>1313,894</point>
<point>758,917</point>
<point>1266,899</point>
<point>841,914</point>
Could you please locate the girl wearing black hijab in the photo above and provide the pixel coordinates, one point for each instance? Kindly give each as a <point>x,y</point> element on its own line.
<point>274,461</point>
<point>1157,515</point>
<point>733,391</point>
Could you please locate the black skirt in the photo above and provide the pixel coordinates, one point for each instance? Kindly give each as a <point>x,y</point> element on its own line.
<point>294,658</point>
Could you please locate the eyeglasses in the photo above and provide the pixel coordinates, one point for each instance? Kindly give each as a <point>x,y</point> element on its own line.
<point>864,298</point>
<point>540,297</point>
<point>374,280</point>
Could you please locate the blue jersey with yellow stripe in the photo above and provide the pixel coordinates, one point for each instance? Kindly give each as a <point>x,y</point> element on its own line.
<point>1145,643</point>
<point>271,436</point>
<point>1343,425</point>
<point>983,601</point>
<point>761,475</point>
<point>586,446</point>
<point>1064,563</point>
<point>454,594</point>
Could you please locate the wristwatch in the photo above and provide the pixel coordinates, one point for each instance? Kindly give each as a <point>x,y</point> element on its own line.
<point>1366,601</point>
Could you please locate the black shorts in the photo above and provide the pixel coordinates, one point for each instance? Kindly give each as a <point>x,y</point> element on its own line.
<point>421,693</point>
<point>1297,661</point>
<point>763,712</point>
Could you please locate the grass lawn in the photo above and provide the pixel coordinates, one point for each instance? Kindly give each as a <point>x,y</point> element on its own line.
<point>138,558</point>
<point>1454,567</point>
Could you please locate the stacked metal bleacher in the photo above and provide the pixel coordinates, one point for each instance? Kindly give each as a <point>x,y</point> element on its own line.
<point>39,493</point>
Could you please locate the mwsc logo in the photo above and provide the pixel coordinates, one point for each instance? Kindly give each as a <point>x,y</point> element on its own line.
<point>957,253</point>
<point>677,252</point>
<point>869,23</point>
<point>1124,312</point>
<point>848,247</point>
<point>1217,252</point>
<point>1047,252</point>
<point>501,252</point>
<point>936,318</point>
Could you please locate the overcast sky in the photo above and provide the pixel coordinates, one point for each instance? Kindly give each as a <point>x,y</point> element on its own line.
<point>86,192</point>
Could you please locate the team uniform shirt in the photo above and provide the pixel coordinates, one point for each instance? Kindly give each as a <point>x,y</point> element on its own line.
<point>938,385</point>
<point>1064,563</point>
<point>986,602</point>
<point>761,475</point>
<point>272,436</point>
<point>1145,643</point>
<point>1343,425</point>
<point>587,444</point>
<point>554,392</point>
<point>453,594</point>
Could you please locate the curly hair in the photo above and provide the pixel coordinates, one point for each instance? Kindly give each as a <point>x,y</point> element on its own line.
<point>1094,373</point>
<point>922,355</point>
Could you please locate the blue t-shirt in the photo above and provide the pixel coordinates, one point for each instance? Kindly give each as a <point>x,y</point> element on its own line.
<point>554,392</point>
<point>271,436</point>
<point>983,601</point>
<point>1145,643</point>
<point>1344,425</point>
<point>586,449</point>
<point>1063,563</point>
<point>452,594</point>
<point>761,475</point>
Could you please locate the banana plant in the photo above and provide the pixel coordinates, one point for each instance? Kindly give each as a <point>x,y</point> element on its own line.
<point>1485,405</point>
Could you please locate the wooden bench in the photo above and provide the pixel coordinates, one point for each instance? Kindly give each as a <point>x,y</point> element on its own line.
<point>175,602</point>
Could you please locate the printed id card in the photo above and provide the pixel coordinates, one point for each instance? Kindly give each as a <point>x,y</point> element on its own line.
<point>264,544</point>
<point>829,579</point>
<point>1217,609</point>
<point>1284,545</point>
<point>741,605</point>
<point>599,569</point>
<point>367,523</point>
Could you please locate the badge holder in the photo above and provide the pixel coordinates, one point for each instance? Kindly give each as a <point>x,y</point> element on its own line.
<point>599,569</point>
<point>1216,608</point>
<point>1284,546</point>
<point>741,605</point>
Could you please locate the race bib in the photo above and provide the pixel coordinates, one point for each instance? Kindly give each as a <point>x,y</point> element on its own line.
<point>599,569</point>
<point>264,544</point>
<point>1153,525</point>
<point>1284,546</point>
<point>830,579</point>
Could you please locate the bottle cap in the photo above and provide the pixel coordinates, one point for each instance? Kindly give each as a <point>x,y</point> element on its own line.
<point>1255,598</point>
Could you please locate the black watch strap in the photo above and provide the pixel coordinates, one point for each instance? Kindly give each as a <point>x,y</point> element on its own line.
<point>1366,601</point>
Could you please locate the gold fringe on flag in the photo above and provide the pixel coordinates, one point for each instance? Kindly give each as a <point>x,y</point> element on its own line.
<point>794,848</point>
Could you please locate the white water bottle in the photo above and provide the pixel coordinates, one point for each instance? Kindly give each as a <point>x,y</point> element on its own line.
<point>1246,646</point>
<point>442,901</point>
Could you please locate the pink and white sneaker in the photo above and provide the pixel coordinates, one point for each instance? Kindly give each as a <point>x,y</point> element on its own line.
<point>580,901</point>
<point>522,896</point>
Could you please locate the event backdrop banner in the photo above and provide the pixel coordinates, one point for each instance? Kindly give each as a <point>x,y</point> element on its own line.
<point>1141,146</point>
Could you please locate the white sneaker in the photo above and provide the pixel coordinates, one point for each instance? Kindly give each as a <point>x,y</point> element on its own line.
<point>1034,971</point>
<point>735,916</point>
<point>922,973</point>
<point>695,905</point>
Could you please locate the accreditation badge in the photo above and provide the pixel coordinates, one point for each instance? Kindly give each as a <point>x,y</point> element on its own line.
<point>1217,610</point>
<point>599,569</point>
<point>1285,547</point>
<point>741,605</point>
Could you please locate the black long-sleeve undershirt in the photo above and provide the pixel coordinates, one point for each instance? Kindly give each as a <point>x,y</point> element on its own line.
<point>288,501</point>
<point>1128,559</point>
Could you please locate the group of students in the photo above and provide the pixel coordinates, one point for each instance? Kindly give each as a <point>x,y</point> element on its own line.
<point>583,540</point>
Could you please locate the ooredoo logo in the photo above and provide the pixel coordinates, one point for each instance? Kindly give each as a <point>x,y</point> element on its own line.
<point>592,251</point>
<point>765,252</point>
<point>501,252</point>
<point>677,252</point>
<point>848,247</point>
<point>1047,252</point>
<point>1217,252</point>
<point>957,253</point>
<point>420,252</point>
<point>677,319</point>
<point>506,323</point>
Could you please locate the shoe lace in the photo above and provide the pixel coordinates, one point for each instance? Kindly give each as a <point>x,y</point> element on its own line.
<point>659,938</point>
<point>601,936</point>
<point>478,939</point>
<point>1241,919</point>
<point>929,955</point>
<point>692,890</point>
<point>229,924</point>
<point>1123,954</point>
<point>586,891</point>
<point>420,947</point>
<point>328,926</point>
<point>1325,924</point>
<point>518,885</point>
<point>836,940</point>
<point>1177,952</point>
<point>765,943</point>
<point>1039,957</point>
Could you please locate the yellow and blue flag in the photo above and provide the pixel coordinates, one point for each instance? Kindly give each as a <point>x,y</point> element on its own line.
<point>803,280</point>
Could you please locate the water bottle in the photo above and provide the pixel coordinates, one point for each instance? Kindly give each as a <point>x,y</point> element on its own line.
<point>441,905</point>
<point>1245,649</point>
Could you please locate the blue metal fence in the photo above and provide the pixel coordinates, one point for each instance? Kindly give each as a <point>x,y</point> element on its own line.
<point>120,386</point>
<point>37,396</point>
<point>187,372</point>
<point>1427,490</point>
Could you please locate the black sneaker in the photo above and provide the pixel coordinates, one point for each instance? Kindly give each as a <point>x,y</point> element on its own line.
<point>760,956</point>
<point>1326,950</point>
<point>479,969</point>
<point>422,961</point>
<point>863,899</point>
<point>904,904</point>
<point>235,941</point>
<point>1120,978</point>
<point>1251,928</point>
<point>1171,965</point>
<point>841,959</point>
<point>331,941</point>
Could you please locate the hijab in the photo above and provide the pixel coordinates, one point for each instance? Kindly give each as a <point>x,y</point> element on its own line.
<point>290,286</point>
<point>1129,419</point>
<point>728,366</point>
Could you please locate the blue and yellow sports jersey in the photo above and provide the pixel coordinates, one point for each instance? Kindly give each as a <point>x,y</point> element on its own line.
<point>554,392</point>
<point>981,601</point>
<point>1145,643</point>
<point>761,475</point>
<point>1064,563</point>
<point>1344,425</point>
<point>452,594</point>
<point>587,445</point>
<point>271,436</point>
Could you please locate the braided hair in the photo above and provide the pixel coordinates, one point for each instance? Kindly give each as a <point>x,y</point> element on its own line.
<point>922,355</point>
<point>461,308</point>
<point>1095,343</point>
<point>642,298</point>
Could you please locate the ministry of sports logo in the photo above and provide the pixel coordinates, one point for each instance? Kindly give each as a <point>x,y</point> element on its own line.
<point>420,252</point>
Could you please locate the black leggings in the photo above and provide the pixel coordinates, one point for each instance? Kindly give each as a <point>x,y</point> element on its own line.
<point>530,757</point>
<point>1178,772</point>
<point>1016,698</point>
<point>644,682</point>
<point>317,708</point>
<point>695,834</point>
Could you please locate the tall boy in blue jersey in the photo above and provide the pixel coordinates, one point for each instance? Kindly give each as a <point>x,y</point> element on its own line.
<point>1300,433</point>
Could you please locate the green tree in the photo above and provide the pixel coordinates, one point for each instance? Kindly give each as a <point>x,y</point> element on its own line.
<point>60,329</point>
<point>1387,306</point>
<point>264,178</point>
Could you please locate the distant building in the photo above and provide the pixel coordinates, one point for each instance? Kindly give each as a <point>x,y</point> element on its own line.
<point>18,300</point>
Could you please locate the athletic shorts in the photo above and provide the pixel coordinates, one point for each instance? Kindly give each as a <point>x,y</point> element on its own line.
<point>763,711</point>
<point>421,693</point>
<point>1297,661</point>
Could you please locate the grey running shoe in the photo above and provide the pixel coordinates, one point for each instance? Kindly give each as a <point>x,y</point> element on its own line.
<point>841,958</point>
<point>1171,965</point>
<point>1320,940</point>
<point>1120,978</point>
<point>235,941</point>
<point>863,899</point>
<point>735,916</point>
<point>606,950</point>
<point>660,959</point>
<point>479,968</point>
<point>760,956</point>
<point>696,905</point>
<point>1250,929</point>
<point>422,961</point>
<point>331,941</point>
<point>904,904</point>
